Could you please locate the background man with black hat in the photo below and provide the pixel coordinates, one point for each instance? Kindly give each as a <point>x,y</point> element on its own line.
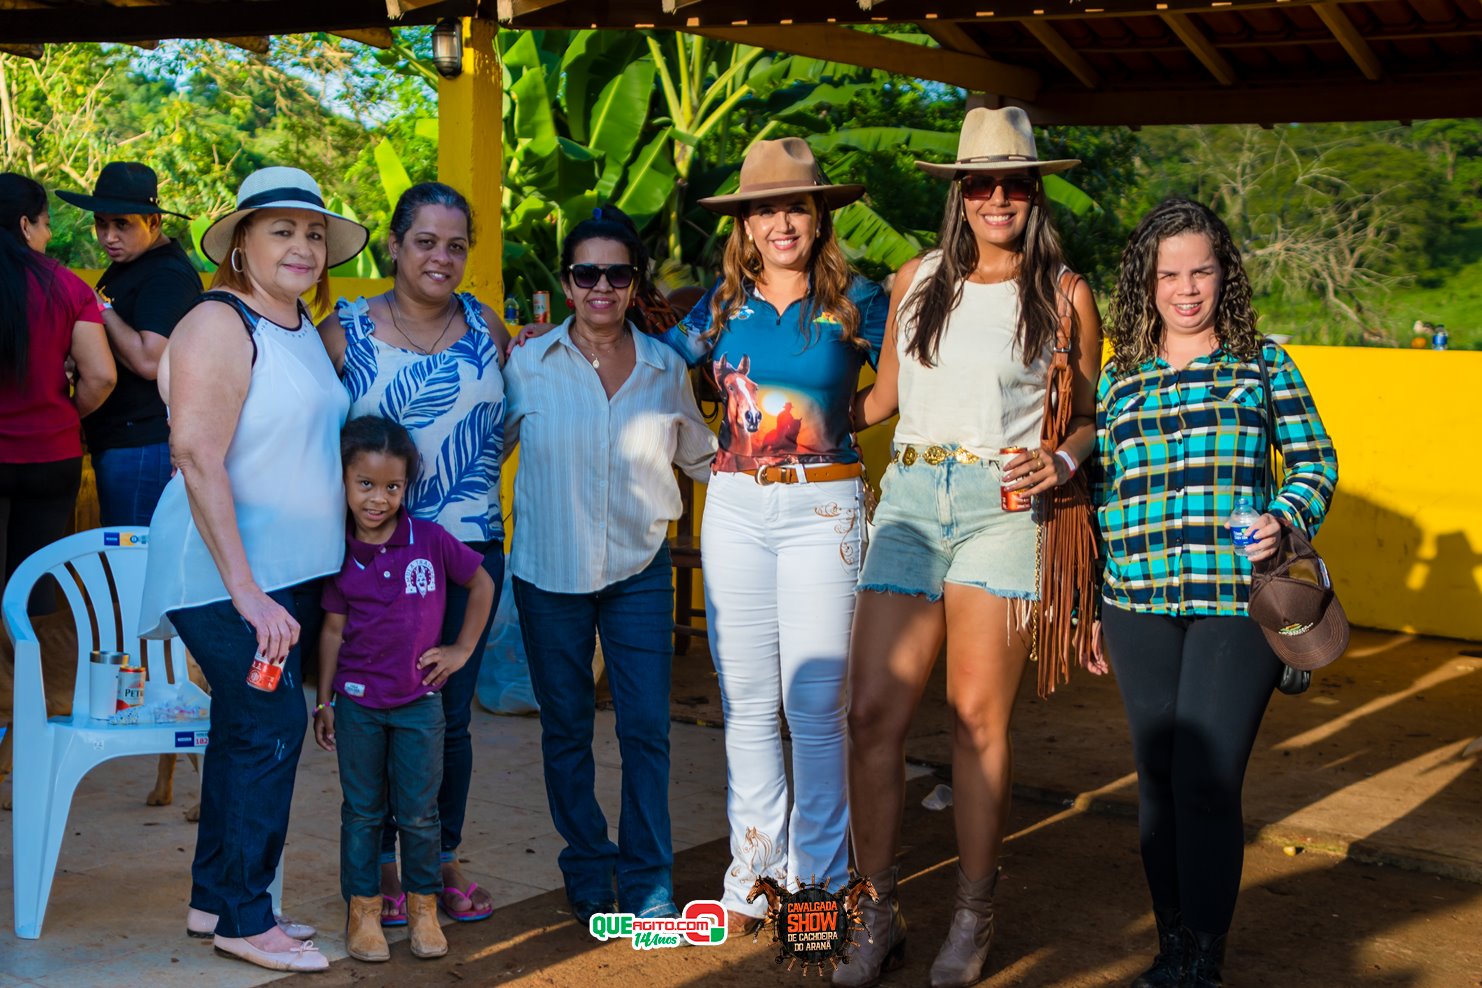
<point>146,290</point>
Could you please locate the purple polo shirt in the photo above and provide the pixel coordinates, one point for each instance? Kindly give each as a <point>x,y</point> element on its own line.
<point>393,599</point>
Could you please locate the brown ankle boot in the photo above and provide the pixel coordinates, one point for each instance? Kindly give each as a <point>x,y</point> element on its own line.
<point>427,935</point>
<point>363,937</point>
<point>960,961</point>
<point>884,947</point>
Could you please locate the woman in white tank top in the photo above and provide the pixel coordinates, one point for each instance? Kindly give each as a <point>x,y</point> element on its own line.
<point>254,513</point>
<point>966,358</point>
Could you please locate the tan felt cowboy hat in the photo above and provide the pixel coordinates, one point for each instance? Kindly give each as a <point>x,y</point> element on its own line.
<point>284,188</point>
<point>124,188</point>
<point>996,141</point>
<point>781,168</point>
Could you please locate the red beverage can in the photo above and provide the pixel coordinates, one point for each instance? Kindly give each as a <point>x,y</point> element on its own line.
<point>1012,498</point>
<point>130,687</point>
<point>264,675</point>
<point>540,306</point>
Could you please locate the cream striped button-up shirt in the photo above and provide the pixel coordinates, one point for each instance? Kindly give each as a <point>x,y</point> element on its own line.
<point>595,489</point>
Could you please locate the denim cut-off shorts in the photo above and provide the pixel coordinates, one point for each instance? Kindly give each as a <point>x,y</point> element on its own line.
<point>945,524</point>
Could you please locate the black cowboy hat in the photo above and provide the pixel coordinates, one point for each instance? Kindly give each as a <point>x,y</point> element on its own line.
<point>126,188</point>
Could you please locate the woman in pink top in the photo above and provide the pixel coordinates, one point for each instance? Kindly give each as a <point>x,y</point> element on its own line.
<point>47,314</point>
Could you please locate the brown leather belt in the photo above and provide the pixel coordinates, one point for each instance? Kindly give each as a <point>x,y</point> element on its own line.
<point>800,474</point>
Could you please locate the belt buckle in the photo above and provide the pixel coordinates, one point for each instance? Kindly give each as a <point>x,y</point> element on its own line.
<point>935,455</point>
<point>761,477</point>
<point>964,455</point>
<point>909,456</point>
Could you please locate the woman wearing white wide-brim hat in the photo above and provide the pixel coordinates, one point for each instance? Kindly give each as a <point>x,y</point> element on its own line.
<point>970,353</point>
<point>253,517</point>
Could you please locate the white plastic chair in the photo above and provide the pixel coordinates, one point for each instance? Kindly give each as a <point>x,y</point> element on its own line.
<point>102,575</point>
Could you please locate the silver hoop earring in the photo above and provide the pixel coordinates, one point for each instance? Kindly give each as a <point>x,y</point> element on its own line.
<point>236,259</point>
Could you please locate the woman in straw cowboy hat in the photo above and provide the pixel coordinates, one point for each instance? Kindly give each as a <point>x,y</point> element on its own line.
<point>967,359</point>
<point>253,517</point>
<point>786,329</point>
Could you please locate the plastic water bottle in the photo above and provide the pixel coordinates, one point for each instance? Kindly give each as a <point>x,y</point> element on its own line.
<point>511,311</point>
<point>1242,526</point>
<point>1441,339</point>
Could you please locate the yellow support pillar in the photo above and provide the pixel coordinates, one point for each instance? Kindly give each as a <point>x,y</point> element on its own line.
<point>470,153</point>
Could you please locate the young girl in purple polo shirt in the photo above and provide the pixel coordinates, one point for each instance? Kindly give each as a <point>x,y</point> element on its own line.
<point>380,649</point>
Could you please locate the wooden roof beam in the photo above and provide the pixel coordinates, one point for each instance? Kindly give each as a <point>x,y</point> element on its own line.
<point>951,36</point>
<point>510,9</point>
<point>24,51</point>
<point>376,37</point>
<point>1044,32</point>
<point>1188,32</point>
<point>842,44</point>
<point>255,44</point>
<point>1348,36</point>
<point>396,8</point>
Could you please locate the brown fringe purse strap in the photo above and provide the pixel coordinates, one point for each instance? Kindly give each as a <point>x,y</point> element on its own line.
<point>1060,623</point>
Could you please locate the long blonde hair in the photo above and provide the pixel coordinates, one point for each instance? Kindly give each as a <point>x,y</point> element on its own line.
<point>828,274</point>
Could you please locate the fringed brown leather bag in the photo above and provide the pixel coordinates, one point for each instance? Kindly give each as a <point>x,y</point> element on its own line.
<point>1060,624</point>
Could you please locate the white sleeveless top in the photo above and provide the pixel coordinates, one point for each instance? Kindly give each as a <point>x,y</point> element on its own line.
<point>284,468</point>
<point>978,394</point>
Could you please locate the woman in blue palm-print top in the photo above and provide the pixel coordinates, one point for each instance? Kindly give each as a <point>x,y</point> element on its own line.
<point>428,357</point>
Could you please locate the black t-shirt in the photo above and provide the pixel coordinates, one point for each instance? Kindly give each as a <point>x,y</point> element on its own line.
<point>151,294</point>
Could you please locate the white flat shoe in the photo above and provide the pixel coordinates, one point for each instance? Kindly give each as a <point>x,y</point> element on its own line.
<point>202,925</point>
<point>304,956</point>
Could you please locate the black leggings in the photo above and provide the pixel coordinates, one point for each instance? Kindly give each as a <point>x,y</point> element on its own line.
<point>1195,691</point>
<point>36,503</point>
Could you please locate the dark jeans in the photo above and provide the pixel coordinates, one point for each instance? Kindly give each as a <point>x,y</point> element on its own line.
<point>36,503</point>
<point>130,482</point>
<point>389,758</point>
<point>1195,690</point>
<point>457,698</point>
<point>248,771</point>
<point>636,620</point>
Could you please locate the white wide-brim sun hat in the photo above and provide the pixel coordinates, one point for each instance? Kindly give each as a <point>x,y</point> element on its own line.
<point>996,141</point>
<point>278,187</point>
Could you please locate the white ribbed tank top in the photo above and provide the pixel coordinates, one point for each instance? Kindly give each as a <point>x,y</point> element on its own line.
<point>978,394</point>
<point>284,468</point>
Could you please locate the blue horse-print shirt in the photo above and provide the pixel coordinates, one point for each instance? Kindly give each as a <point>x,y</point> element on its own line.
<point>789,388</point>
<point>452,402</point>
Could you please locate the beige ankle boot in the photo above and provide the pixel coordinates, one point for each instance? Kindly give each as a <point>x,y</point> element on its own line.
<point>960,961</point>
<point>363,937</point>
<point>427,935</point>
<point>884,948</point>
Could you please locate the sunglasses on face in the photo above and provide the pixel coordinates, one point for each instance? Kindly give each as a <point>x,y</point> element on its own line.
<point>587,275</point>
<point>1015,189</point>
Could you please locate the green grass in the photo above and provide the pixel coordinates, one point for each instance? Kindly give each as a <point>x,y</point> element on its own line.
<point>1456,302</point>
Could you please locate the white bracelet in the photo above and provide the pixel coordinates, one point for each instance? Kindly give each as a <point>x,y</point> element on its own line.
<point>1068,460</point>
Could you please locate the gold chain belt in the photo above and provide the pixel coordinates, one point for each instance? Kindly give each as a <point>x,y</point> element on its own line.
<point>932,455</point>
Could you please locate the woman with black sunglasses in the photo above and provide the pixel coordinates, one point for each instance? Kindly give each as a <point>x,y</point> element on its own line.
<point>967,361</point>
<point>603,412</point>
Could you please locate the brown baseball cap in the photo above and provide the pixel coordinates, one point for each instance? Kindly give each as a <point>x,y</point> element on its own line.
<point>1292,599</point>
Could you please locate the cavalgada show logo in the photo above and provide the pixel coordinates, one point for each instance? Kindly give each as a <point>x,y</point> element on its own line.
<point>702,924</point>
<point>812,924</point>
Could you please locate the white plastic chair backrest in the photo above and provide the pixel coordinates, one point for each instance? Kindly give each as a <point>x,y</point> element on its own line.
<point>101,573</point>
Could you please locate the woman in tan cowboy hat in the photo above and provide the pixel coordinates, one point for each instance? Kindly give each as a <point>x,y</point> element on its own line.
<point>786,329</point>
<point>253,517</point>
<point>967,361</point>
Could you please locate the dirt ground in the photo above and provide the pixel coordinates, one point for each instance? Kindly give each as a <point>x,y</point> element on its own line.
<point>1072,913</point>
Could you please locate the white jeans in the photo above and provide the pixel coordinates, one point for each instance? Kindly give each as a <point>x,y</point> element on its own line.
<point>780,564</point>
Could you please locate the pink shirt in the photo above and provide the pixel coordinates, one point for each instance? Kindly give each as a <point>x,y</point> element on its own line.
<point>38,422</point>
<point>393,597</point>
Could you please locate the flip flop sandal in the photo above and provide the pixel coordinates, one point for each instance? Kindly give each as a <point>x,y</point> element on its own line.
<point>398,914</point>
<point>463,915</point>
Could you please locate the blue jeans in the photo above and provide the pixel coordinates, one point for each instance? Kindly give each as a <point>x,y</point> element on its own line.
<point>636,620</point>
<point>457,699</point>
<point>130,482</point>
<point>248,771</point>
<point>389,758</point>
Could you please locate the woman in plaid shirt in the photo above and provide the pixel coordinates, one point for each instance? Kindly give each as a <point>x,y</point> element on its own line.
<point>1181,434</point>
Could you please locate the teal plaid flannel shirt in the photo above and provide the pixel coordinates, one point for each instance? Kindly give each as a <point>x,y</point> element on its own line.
<point>1175,448</point>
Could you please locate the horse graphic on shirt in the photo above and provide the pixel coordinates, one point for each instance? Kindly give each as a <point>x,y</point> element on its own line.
<point>742,410</point>
<point>421,577</point>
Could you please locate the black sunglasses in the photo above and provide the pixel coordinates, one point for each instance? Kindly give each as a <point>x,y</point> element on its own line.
<point>1015,189</point>
<point>587,275</point>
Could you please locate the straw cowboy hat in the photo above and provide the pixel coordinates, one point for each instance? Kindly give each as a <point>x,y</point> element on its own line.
<point>781,168</point>
<point>996,141</point>
<point>124,188</point>
<point>284,188</point>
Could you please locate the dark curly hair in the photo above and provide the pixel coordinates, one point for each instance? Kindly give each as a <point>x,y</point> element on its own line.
<point>374,434</point>
<point>1133,326</point>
